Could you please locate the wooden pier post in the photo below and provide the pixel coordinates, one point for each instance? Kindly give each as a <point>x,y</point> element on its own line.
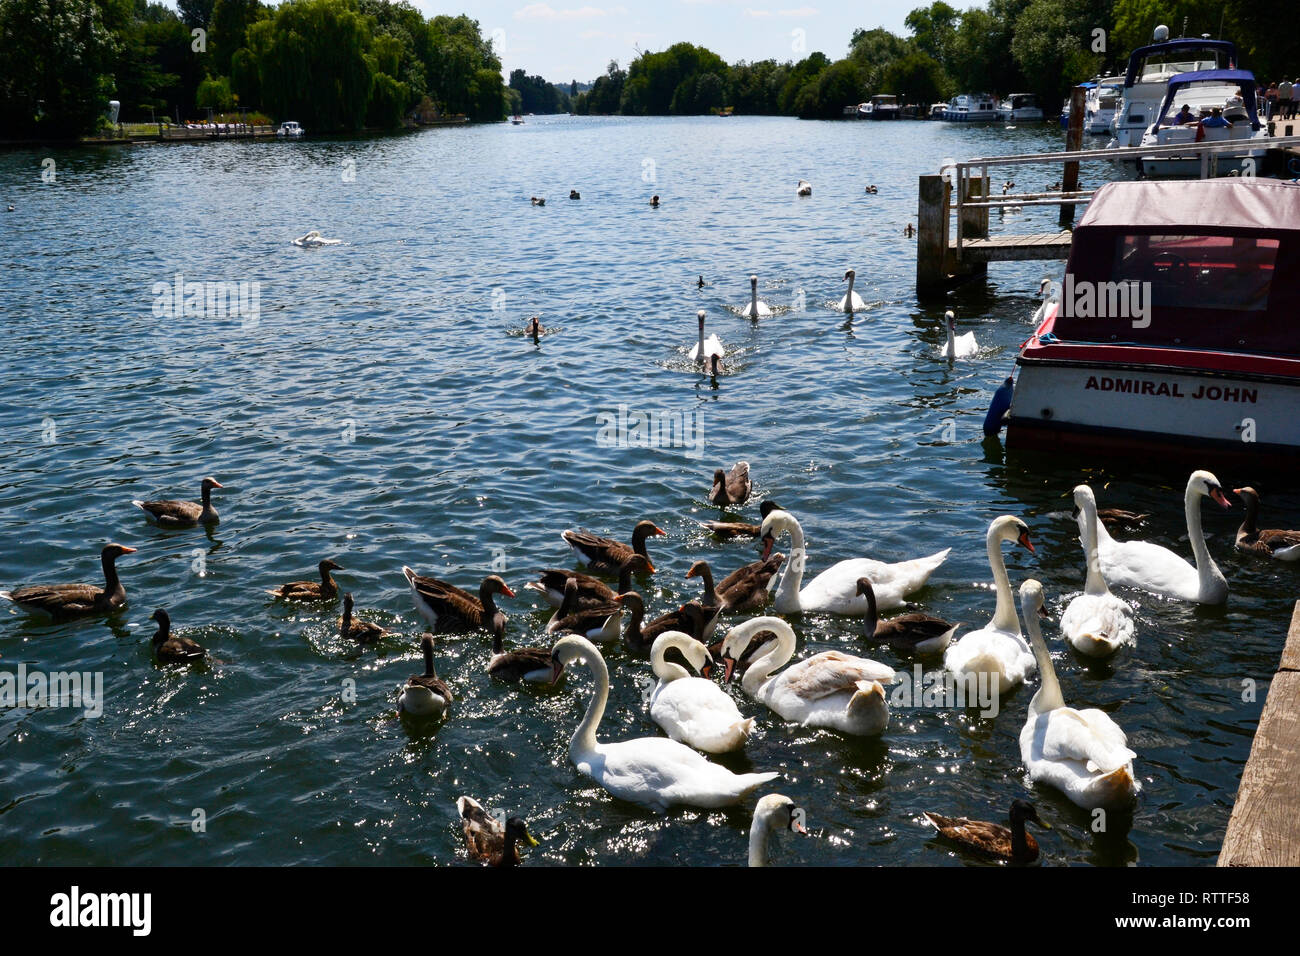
<point>1073,143</point>
<point>932,237</point>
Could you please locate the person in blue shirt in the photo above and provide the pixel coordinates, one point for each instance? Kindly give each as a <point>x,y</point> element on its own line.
<point>1215,120</point>
<point>1184,115</point>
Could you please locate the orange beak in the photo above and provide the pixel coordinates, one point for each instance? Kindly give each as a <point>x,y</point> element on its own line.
<point>1217,495</point>
<point>1024,539</point>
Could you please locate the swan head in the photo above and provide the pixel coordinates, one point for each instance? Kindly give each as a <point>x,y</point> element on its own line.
<point>569,649</point>
<point>696,654</point>
<point>1043,286</point>
<point>774,523</point>
<point>950,318</point>
<point>1204,483</point>
<point>1011,528</point>
<point>1031,603</point>
<point>1083,497</point>
<point>737,639</point>
<point>700,316</point>
<point>753,282</point>
<point>776,809</point>
<point>849,274</point>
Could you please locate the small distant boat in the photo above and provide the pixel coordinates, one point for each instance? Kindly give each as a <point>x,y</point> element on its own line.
<point>1020,108</point>
<point>1103,98</point>
<point>725,110</point>
<point>517,120</point>
<point>937,110</point>
<point>290,130</point>
<point>882,106</point>
<point>971,108</point>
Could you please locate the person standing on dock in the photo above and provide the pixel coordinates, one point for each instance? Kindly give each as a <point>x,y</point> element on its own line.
<point>1285,103</point>
<point>1295,99</point>
<point>1270,101</point>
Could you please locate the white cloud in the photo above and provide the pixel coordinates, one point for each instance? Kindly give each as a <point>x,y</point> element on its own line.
<point>544,11</point>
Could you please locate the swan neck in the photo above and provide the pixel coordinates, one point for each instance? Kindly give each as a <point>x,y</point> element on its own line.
<point>584,738</point>
<point>1206,569</point>
<point>951,350</point>
<point>1095,583</point>
<point>758,838</point>
<point>668,671</point>
<point>1049,688</point>
<point>778,653</point>
<point>1004,615</point>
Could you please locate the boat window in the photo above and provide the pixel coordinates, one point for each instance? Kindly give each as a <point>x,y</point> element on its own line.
<point>1137,118</point>
<point>1229,273</point>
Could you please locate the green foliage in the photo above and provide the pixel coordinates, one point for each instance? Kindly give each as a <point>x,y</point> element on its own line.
<point>214,93</point>
<point>535,95</point>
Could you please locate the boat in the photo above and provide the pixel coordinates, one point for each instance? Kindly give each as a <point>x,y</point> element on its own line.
<point>1173,332</point>
<point>937,110</point>
<point>882,106</point>
<point>1151,67</point>
<point>516,120</point>
<point>1100,104</point>
<point>290,130</point>
<point>1020,108</point>
<point>1230,91</point>
<point>971,108</point>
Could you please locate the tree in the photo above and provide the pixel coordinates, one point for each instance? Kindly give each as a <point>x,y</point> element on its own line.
<point>195,13</point>
<point>228,29</point>
<point>917,78</point>
<point>933,28</point>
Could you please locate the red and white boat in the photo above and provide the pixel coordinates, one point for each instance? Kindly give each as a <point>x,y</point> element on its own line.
<point>1177,329</point>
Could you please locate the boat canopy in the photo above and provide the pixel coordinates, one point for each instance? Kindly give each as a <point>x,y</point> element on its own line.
<point>1187,265</point>
<point>1225,54</point>
<point>1242,79</point>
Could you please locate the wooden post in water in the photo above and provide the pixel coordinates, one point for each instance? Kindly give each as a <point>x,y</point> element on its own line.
<point>974,222</point>
<point>1073,143</point>
<point>932,237</point>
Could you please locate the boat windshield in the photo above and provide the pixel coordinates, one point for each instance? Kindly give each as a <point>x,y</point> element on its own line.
<point>1223,273</point>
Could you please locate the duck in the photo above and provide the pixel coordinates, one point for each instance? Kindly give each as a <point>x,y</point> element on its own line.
<point>182,514</point>
<point>1096,623</point>
<point>909,231</point>
<point>1118,519</point>
<point>692,618</point>
<point>651,771</point>
<point>836,589</point>
<point>355,629</point>
<point>323,590</point>
<point>700,283</point>
<point>61,601</point>
<point>574,194</point>
<point>693,710</point>
<point>448,608</point>
<point>1012,844</point>
<point>654,202</point>
<point>851,301</point>
<point>534,329</point>
<point>1006,190</point>
<point>705,350</point>
<point>997,649</point>
<point>913,633</point>
<point>1082,753</point>
<point>831,690</point>
<point>1282,545</point>
<point>716,367</point>
<point>1150,567</point>
<point>529,664</point>
<point>731,487</point>
<point>771,812</point>
<point>487,839</point>
<point>804,188</point>
<point>424,695</point>
<point>314,238</point>
<point>871,190</point>
<point>739,529</point>
<point>744,589</point>
<point>756,308</point>
<point>605,555</point>
<point>537,201</point>
<point>599,622</point>
<point>957,346</point>
<point>591,591</point>
<point>170,649</point>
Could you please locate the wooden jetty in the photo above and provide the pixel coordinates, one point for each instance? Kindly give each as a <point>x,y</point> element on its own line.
<point>1263,829</point>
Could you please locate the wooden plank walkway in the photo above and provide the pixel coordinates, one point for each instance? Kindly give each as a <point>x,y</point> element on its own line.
<point>1264,829</point>
<point>1040,245</point>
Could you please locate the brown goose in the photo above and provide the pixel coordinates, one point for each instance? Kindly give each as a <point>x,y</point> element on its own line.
<point>605,555</point>
<point>691,618</point>
<point>993,839</point>
<point>171,649</point>
<point>909,633</point>
<point>323,590</point>
<point>1117,519</point>
<point>71,600</point>
<point>745,589</point>
<point>182,514</point>
<point>598,622</point>
<point>355,629</point>
<point>531,664</point>
<point>448,608</point>
<point>591,591</point>
<point>1283,545</point>
<point>738,529</point>
<point>424,695</point>
<point>731,488</point>
<point>486,838</point>
<point>534,329</point>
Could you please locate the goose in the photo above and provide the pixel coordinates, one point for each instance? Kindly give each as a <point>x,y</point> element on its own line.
<point>170,649</point>
<point>323,590</point>
<point>693,710</point>
<point>355,629</point>
<point>997,649</point>
<point>918,634</point>
<point>530,664</point>
<point>693,618</point>
<point>957,346</point>
<point>744,589</point>
<point>72,600</point>
<point>830,689</point>
<point>605,555</point>
<point>424,695</point>
<point>836,589</point>
<point>755,309</point>
<point>1082,753</point>
<point>574,194</point>
<point>1117,519</point>
<point>448,608</point>
<point>1006,190</point>
<point>182,514</point>
<point>774,810</point>
<point>737,529</point>
<point>489,840</point>
<point>706,349</point>
<point>851,302</point>
<point>600,622</point>
<point>534,329</point>
<point>804,188</point>
<point>700,283</point>
<point>591,591</point>
<point>653,771</point>
<point>1141,564</point>
<point>1096,623</point>
<point>314,238</point>
<point>1283,545</point>
<point>871,190</point>
<point>994,840</point>
<point>733,487</point>
<point>715,366</point>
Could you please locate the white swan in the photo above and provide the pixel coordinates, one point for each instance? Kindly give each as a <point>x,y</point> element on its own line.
<point>314,238</point>
<point>1082,753</point>
<point>829,689</point>
<point>851,302</point>
<point>996,649</point>
<point>705,349</point>
<point>653,771</point>
<point>755,309</point>
<point>804,188</point>
<point>836,589</point>
<point>772,811</point>
<point>1049,292</point>
<point>1140,564</point>
<point>694,710</point>
<point>957,346</point>
<point>1096,623</point>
